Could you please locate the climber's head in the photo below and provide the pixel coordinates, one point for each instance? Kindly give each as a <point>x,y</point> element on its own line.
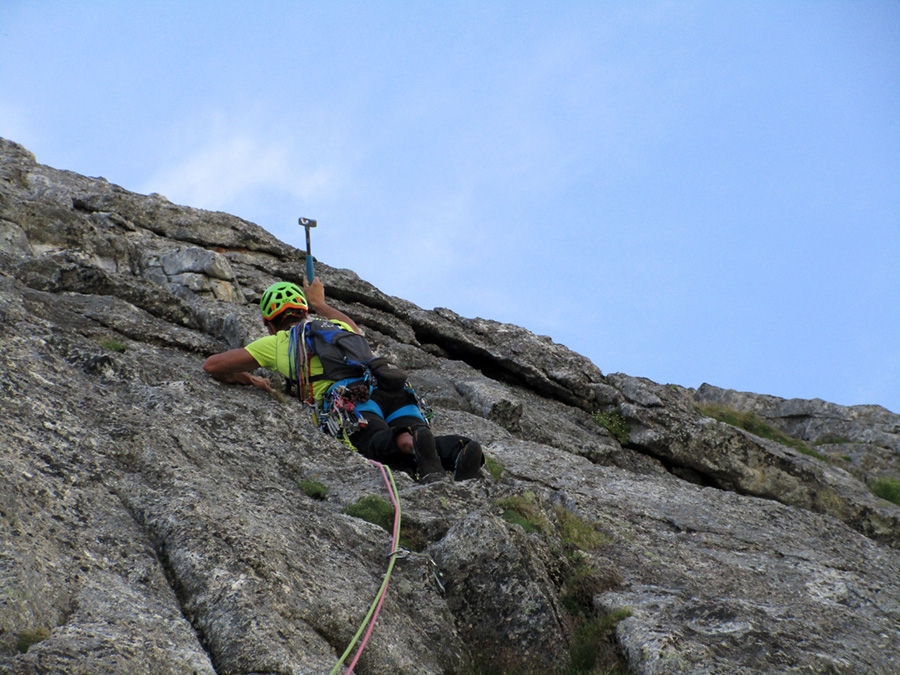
<point>283,304</point>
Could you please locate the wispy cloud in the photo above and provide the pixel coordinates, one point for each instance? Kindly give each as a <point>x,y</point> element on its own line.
<point>14,125</point>
<point>233,161</point>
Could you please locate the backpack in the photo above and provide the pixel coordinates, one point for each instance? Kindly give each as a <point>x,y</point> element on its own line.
<point>345,355</point>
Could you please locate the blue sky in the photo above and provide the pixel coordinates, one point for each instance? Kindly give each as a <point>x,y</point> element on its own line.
<point>685,191</point>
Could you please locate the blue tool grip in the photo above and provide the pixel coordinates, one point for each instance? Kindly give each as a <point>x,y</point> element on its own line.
<point>310,270</point>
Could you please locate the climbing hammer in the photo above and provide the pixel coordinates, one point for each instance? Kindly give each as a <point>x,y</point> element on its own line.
<point>310,271</point>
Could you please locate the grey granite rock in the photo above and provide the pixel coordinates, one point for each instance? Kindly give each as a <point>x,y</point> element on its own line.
<point>155,521</point>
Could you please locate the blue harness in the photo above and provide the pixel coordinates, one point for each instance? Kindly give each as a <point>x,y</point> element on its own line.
<point>409,410</point>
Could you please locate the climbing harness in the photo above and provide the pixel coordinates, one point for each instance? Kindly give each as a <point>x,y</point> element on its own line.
<point>340,412</point>
<point>419,408</point>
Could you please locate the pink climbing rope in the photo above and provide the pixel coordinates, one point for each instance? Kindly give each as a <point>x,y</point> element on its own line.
<point>392,491</point>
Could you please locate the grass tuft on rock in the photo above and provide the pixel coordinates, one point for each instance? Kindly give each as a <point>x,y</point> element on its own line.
<point>887,488</point>
<point>494,467</point>
<point>592,649</point>
<point>615,423</point>
<point>757,426</point>
<point>373,509</point>
<point>27,638</point>
<point>313,488</point>
<point>525,510</point>
<point>582,584</point>
<point>578,532</point>
<point>113,345</point>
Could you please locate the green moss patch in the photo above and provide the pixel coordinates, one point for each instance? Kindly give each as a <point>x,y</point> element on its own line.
<point>373,509</point>
<point>615,423</point>
<point>757,426</point>
<point>313,488</point>
<point>113,345</point>
<point>887,488</point>
<point>494,467</point>
<point>379,511</point>
<point>26,639</point>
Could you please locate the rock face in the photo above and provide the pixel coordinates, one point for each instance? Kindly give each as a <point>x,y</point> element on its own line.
<point>864,439</point>
<point>155,521</point>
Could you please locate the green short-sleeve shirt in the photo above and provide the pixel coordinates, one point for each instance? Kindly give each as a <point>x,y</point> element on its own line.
<point>271,352</point>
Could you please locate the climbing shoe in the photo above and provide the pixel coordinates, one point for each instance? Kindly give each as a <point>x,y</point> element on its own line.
<point>428,464</point>
<point>468,462</point>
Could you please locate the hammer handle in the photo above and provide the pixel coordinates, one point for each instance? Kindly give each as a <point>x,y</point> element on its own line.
<point>310,271</point>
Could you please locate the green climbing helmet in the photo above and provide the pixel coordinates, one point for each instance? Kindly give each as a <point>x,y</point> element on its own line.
<point>281,296</point>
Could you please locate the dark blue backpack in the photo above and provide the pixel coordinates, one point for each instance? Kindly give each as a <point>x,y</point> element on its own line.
<point>345,355</point>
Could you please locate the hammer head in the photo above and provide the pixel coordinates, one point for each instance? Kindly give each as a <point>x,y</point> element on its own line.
<point>307,223</point>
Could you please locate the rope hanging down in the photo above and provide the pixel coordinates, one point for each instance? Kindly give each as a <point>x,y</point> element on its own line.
<point>375,608</point>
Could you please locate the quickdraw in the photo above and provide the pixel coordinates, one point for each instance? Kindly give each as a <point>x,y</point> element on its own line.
<point>337,414</point>
<point>424,408</point>
<point>402,554</point>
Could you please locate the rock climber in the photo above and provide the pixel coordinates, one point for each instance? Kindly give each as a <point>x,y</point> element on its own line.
<point>392,428</point>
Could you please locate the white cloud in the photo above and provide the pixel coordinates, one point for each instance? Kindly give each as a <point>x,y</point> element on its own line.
<point>15,126</point>
<point>230,165</point>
